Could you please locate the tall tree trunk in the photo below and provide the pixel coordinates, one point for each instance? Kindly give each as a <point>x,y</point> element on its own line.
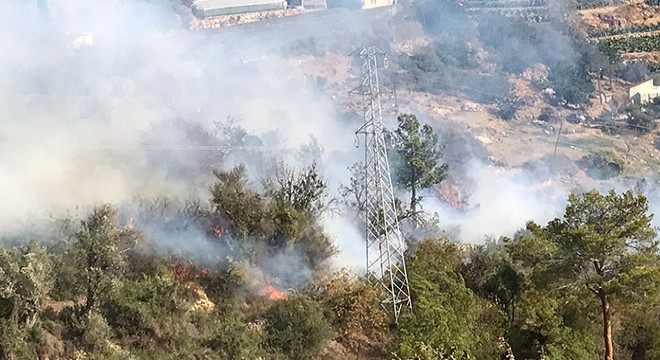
<point>413,200</point>
<point>607,326</point>
<point>513,310</point>
<point>14,312</point>
<point>90,300</point>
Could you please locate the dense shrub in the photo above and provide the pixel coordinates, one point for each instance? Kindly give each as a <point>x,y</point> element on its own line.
<point>642,118</point>
<point>138,306</point>
<point>233,339</point>
<point>633,71</point>
<point>601,165</point>
<point>296,327</point>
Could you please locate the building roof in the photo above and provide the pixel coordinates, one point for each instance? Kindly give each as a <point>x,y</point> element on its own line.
<point>639,83</point>
<point>219,4</point>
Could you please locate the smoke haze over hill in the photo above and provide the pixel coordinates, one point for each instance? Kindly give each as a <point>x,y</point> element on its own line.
<point>133,112</point>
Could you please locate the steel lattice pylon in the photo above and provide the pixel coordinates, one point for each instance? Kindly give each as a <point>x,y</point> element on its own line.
<point>386,267</point>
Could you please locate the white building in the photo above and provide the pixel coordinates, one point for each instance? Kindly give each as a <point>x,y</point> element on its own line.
<point>643,92</point>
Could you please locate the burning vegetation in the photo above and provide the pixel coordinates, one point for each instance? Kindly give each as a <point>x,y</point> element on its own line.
<point>272,293</point>
<point>234,238</point>
<point>219,232</point>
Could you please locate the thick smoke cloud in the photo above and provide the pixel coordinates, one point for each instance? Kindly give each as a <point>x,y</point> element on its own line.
<point>109,100</point>
<point>98,103</point>
<point>503,200</point>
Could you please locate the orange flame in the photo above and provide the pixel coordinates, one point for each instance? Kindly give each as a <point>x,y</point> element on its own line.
<point>218,231</point>
<point>272,293</point>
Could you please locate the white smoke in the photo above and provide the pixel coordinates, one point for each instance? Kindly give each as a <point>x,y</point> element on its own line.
<point>504,200</point>
<point>349,241</point>
<point>104,122</point>
<point>78,121</point>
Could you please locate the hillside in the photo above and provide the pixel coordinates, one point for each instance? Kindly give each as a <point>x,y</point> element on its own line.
<point>177,188</point>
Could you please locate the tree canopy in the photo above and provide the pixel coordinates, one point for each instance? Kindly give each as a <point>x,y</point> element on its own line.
<point>605,243</point>
<point>418,164</point>
<point>583,285</point>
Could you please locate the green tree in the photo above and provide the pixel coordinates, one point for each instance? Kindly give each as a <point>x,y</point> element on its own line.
<point>9,270</point>
<point>100,248</point>
<point>551,324</point>
<point>639,334</point>
<point>419,154</point>
<point>601,165</point>
<point>25,280</point>
<point>297,229</point>
<point>490,273</point>
<point>284,217</point>
<point>642,118</point>
<point>233,339</point>
<point>507,107</point>
<point>13,344</point>
<point>571,83</point>
<point>93,334</point>
<point>297,327</point>
<point>446,314</point>
<point>604,243</point>
<point>297,201</point>
<point>138,307</point>
<point>232,199</point>
<point>305,190</point>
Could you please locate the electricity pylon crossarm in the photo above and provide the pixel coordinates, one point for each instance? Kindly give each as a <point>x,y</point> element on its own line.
<point>386,267</point>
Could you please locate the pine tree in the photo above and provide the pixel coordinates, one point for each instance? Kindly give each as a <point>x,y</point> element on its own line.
<point>418,164</point>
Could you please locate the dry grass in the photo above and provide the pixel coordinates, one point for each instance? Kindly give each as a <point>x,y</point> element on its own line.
<point>628,14</point>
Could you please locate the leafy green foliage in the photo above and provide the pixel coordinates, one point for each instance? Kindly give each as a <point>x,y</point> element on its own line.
<point>25,280</point>
<point>297,327</point>
<point>507,107</point>
<point>639,336</point>
<point>571,83</point>
<point>455,18</point>
<point>304,191</point>
<point>100,254</point>
<point>601,165</point>
<point>65,275</point>
<point>642,118</point>
<point>283,218</point>
<point>630,44</point>
<point>95,334</point>
<point>417,165</point>
<point>491,274</point>
<point>623,30</point>
<point>455,62</point>
<point>233,339</point>
<point>604,243</point>
<point>548,293</point>
<point>513,42</point>
<point>231,198</point>
<point>354,193</point>
<point>296,229</point>
<point>426,71</point>
<point>551,324</point>
<point>633,71</point>
<point>136,307</point>
<point>446,313</point>
<point>13,341</point>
